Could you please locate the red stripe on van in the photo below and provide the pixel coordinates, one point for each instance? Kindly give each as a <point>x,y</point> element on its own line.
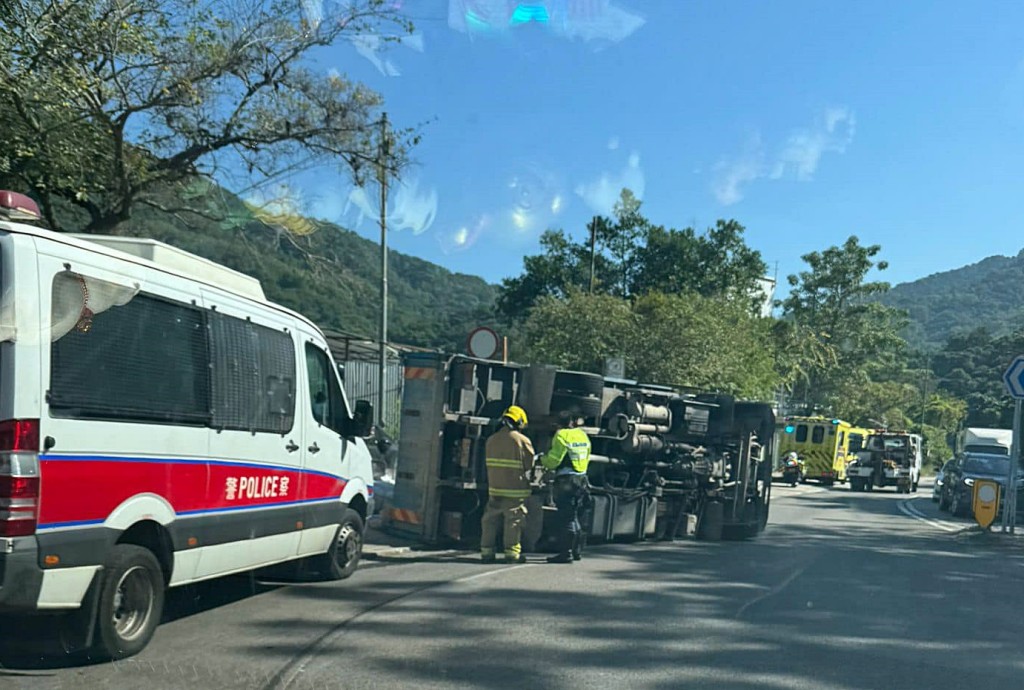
<point>80,490</point>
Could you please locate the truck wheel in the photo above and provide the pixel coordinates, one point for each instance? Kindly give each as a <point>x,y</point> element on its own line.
<point>579,383</point>
<point>855,485</point>
<point>712,520</point>
<point>584,406</point>
<point>131,602</point>
<point>342,559</point>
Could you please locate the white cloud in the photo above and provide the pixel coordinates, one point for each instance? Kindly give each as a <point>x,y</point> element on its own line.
<point>601,194</point>
<point>731,176</point>
<point>804,148</point>
<point>613,143</point>
<point>798,157</point>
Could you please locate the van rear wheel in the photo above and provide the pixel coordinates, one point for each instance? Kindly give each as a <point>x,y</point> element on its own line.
<point>342,559</point>
<point>131,602</point>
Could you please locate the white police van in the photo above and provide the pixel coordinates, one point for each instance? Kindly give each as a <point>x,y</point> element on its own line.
<point>161,423</point>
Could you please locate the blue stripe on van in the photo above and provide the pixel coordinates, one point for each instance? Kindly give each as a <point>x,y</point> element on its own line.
<point>184,461</point>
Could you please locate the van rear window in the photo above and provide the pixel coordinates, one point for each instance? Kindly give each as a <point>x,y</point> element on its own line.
<point>146,360</point>
<point>801,433</point>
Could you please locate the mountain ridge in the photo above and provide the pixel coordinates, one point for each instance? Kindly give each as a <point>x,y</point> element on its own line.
<point>988,293</point>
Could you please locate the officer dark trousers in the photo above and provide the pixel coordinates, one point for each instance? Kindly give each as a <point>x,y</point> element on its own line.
<point>572,499</point>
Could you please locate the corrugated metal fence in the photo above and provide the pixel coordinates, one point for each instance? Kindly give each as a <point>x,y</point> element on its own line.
<point>361,383</point>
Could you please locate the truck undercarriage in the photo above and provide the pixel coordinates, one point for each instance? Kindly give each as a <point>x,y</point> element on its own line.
<point>664,463</point>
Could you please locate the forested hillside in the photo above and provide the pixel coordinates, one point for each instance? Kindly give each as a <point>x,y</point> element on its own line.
<point>987,294</point>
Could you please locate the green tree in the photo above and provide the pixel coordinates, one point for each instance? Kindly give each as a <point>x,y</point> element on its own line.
<point>633,258</point>
<point>105,101</point>
<point>708,343</point>
<point>970,366</point>
<point>579,331</point>
<point>831,300</point>
<point>684,340</point>
<point>563,266</point>
<point>620,240</point>
<point>717,263</point>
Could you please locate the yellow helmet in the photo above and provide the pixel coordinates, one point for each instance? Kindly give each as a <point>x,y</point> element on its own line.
<point>516,415</point>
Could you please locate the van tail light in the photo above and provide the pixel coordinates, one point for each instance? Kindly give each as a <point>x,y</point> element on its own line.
<point>19,477</point>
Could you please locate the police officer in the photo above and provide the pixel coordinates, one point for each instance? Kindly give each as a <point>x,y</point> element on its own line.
<point>569,457</point>
<point>509,457</point>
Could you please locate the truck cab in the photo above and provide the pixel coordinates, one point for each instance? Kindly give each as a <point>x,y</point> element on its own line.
<point>889,458</point>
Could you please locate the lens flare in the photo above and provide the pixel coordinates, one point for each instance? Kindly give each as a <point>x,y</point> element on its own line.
<point>521,219</point>
<point>410,209</point>
<point>281,207</point>
<point>597,21</point>
<point>462,238</point>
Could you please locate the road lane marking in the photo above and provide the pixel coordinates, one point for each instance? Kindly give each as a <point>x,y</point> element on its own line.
<point>774,590</point>
<point>291,671</point>
<point>911,511</point>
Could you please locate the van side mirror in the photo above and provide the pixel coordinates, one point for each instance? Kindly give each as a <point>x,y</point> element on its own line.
<point>362,419</point>
<point>341,372</point>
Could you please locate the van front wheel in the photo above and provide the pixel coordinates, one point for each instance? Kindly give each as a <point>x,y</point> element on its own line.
<point>342,559</point>
<point>131,602</point>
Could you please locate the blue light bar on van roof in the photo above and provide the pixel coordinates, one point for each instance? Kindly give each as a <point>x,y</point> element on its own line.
<point>528,12</point>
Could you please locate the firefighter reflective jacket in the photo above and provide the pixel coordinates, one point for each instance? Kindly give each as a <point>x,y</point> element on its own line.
<point>570,451</point>
<point>509,458</point>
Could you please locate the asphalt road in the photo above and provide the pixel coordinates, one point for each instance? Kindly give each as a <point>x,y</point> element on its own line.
<point>843,591</point>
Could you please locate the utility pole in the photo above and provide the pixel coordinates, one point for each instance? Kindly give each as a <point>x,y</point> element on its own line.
<point>382,179</point>
<point>593,251</point>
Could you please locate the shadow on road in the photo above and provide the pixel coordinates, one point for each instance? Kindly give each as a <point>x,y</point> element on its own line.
<point>866,600</point>
<point>856,606</point>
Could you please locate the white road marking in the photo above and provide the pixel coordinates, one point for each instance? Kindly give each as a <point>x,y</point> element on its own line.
<point>912,511</point>
<point>774,590</point>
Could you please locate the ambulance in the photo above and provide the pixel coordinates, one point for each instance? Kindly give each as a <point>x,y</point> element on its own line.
<point>161,423</point>
<point>826,446</point>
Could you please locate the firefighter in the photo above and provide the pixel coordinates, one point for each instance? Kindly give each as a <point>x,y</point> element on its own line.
<point>509,460</point>
<point>569,457</point>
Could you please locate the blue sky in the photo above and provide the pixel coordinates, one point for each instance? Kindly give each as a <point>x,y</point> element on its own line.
<point>902,123</point>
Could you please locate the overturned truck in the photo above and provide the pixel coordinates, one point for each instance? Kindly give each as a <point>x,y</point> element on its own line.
<point>665,463</point>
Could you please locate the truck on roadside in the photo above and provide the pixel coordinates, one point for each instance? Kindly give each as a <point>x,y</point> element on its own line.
<point>888,458</point>
<point>986,441</point>
<point>665,463</point>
